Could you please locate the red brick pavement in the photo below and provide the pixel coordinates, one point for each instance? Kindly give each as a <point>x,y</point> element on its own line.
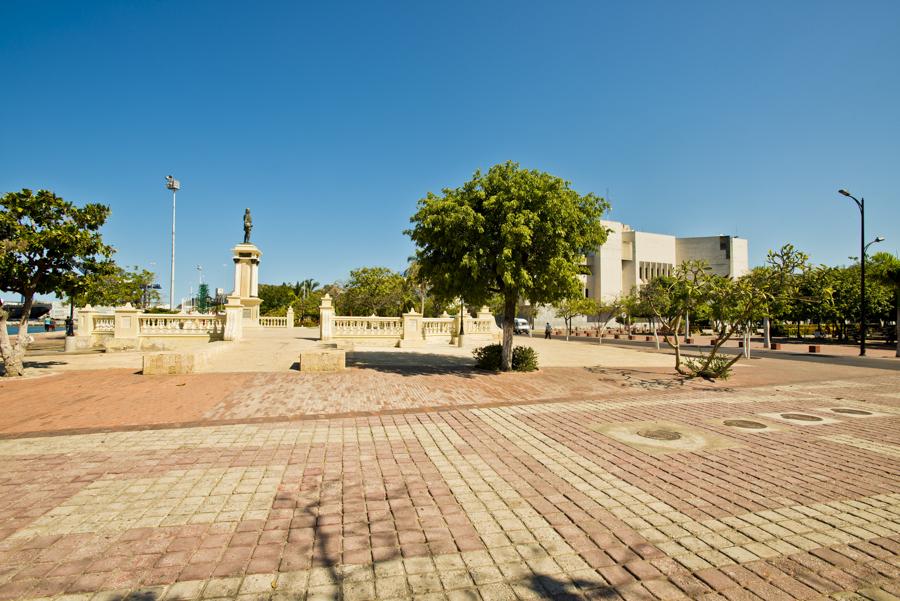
<point>482,501</point>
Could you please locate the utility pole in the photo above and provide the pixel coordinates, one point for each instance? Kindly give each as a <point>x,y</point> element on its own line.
<point>174,185</point>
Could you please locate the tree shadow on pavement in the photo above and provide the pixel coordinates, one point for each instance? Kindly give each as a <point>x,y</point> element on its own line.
<point>414,364</point>
<point>569,590</point>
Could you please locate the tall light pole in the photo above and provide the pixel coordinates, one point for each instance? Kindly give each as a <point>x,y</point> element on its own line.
<point>174,185</point>
<point>863,247</point>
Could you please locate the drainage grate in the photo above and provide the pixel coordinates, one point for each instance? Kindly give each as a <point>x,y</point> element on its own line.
<point>660,434</point>
<point>744,423</point>
<point>801,417</point>
<point>852,411</point>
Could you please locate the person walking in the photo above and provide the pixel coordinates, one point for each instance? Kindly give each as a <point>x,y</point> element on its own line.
<point>547,331</point>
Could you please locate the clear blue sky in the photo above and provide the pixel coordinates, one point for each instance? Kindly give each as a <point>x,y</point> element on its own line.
<point>330,120</point>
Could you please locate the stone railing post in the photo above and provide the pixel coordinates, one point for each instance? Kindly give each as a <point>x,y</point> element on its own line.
<point>85,321</point>
<point>290,318</point>
<point>485,313</point>
<point>126,322</point>
<point>413,330</point>
<point>326,316</point>
<point>234,316</point>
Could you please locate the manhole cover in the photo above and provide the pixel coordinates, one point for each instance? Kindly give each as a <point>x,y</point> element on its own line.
<point>852,411</point>
<point>659,434</point>
<point>801,417</point>
<point>744,423</point>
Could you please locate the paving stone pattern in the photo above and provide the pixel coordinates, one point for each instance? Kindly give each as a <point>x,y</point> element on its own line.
<point>486,502</point>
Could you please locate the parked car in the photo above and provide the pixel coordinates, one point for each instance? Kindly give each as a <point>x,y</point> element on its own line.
<point>521,326</point>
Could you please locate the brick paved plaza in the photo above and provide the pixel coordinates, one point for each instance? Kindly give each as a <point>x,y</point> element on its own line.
<point>379,483</point>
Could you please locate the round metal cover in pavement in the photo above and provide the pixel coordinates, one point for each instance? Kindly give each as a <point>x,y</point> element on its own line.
<point>660,434</point>
<point>852,411</point>
<point>801,417</point>
<point>744,423</point>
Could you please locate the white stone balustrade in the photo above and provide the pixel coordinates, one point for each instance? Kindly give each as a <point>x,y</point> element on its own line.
<point>129,329</point>
<point>273,322</point>
<point>364,327</point>
<point>438,326</point>
<point>180,325</point>
<point>103,323</point>
<point>407,331</point>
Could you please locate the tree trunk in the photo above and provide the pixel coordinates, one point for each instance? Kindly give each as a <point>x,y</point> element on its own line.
<point>13,352</point>
<point>897,325</point>
<point>767,333</point>
<point>655,332</point>
<point>509,322</point>
<point>568,321</point>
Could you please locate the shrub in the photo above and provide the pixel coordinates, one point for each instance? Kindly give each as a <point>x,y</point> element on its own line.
<point>524,358</point>
<point>717,369</point>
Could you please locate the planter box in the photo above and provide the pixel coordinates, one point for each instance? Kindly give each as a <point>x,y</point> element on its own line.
<point>648,338</point>
<point>815,348</point>
<point>689,341</point>
<point>776,346</point>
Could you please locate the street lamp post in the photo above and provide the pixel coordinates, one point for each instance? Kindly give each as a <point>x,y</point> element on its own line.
<point>174,185</point>
<point>863,247</point>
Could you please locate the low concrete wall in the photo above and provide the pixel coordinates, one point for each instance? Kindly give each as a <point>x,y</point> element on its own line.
<point>180,362</point>
<point>323,359</point>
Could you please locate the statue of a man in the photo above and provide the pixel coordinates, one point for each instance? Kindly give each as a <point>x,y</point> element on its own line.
<point>248,225</point>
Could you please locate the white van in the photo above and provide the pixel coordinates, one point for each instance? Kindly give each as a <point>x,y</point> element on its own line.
<point>521,326</point>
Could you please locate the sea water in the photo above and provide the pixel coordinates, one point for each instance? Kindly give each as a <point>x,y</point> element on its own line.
<point>11,329</point>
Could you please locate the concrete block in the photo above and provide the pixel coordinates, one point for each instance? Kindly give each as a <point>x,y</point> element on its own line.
<point>318,360</point>
<point>169,364</point>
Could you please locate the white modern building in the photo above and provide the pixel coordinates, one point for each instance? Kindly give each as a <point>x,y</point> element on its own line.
<point>629,259</point>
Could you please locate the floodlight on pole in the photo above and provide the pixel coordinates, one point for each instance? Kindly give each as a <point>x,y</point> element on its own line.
<point>174,185</point>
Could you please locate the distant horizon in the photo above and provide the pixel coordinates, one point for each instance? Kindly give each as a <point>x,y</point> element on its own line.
<point>330,121</point>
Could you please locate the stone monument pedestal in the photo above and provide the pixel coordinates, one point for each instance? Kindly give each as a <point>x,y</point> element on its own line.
<point>246,282</point>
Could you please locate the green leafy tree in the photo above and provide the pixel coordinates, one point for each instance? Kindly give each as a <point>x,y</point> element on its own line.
<point>670,298</point>
<point>375,291</point>
<point>521,234</point>
<point>605,310</point>
<point>886,271</point>
<point>417,283</point>
<point>783,276</point>
<point>46,244</point>
<point>305,288</point>
<point>276,298</point>
<point>114,286</point>
<point>570,308</point>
